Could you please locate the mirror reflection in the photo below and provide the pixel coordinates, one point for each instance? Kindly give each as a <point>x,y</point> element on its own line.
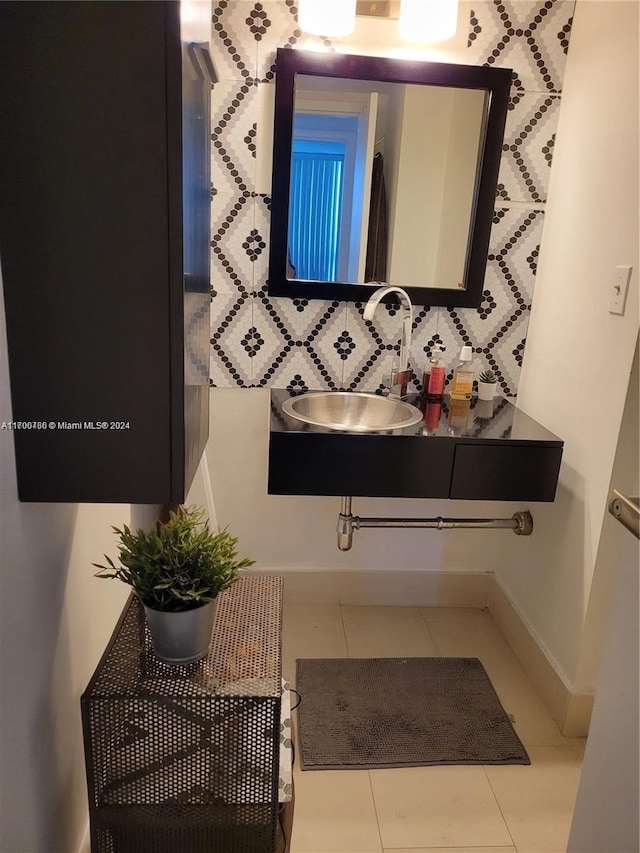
<point>383,181</point>
<point>384,171</point>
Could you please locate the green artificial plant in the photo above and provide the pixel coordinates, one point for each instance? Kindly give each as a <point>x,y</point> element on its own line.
<point>487,376</point>
<point>178,565</point>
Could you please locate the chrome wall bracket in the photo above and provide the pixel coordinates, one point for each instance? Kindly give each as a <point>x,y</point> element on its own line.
<point>520,522</point>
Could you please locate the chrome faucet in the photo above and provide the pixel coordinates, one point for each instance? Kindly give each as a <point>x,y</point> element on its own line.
<point>401,377</point>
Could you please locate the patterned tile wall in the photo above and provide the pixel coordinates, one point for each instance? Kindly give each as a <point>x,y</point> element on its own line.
<point>259,340</point>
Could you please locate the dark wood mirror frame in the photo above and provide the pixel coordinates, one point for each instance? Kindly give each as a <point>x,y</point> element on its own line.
<point>496,81</point>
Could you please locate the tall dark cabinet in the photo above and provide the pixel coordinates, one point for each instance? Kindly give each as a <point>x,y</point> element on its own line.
<point>104,246</point>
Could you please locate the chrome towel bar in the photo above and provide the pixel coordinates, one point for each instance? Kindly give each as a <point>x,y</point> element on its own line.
<point>520,522</point>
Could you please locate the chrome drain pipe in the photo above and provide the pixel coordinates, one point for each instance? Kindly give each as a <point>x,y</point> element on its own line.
<point>520,522</point>
<point>345,525</point>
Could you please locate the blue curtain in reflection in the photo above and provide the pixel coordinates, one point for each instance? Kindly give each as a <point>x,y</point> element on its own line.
<point>315,211</point>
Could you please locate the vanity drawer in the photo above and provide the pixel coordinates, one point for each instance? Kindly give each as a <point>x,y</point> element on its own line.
<point>377,466</point>
<point>505,473</point>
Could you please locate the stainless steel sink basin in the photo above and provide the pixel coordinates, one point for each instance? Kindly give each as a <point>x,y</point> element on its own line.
<point>352,411</point>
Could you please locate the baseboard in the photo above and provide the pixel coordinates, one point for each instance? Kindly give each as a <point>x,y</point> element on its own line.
<point>571,711</point>
<point>398,588</point>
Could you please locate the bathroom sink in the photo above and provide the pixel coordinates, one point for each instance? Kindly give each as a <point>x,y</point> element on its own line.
<point>352,411</point>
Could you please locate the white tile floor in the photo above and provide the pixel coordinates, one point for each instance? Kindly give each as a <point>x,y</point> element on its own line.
<point>469,809</point>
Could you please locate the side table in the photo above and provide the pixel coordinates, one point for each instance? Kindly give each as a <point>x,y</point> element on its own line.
<point>185,759</point>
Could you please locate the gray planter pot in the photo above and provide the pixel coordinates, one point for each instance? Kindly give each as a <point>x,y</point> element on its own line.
<point>180,638</point>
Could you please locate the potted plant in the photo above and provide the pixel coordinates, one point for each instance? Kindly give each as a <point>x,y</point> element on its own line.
<point>487,384</point>
<point>177,570</point>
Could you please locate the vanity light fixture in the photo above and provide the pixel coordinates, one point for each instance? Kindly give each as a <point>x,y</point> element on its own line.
<point>327,17</point>
<point>424,21</point>
<point>428,21</point>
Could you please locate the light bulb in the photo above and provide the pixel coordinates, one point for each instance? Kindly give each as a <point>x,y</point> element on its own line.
<point>428,20</point>
<point>327,17</point>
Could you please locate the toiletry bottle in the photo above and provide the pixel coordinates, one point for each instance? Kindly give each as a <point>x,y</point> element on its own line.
<point>463,374</point>
<point>434,387</point>
<point>434,376</point>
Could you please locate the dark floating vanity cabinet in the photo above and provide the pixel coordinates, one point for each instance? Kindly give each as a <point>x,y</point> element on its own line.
<point>104,246</point>
<point>474,451</point>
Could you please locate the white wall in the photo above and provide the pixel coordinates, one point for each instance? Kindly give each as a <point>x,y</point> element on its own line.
<point>606,814</point>
<point>55,620</point>
<point>626,479</point>
<point>578,356</point>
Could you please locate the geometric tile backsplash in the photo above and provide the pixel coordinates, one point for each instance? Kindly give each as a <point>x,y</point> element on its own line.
<point>261,340</point>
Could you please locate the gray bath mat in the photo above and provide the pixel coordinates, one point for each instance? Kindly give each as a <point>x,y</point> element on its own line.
<point>366,713</point>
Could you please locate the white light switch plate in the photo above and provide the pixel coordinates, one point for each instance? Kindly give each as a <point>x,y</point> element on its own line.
<point>619,289</point>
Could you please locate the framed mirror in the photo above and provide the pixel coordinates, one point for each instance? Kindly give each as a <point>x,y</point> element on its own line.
<point>384,171</point>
